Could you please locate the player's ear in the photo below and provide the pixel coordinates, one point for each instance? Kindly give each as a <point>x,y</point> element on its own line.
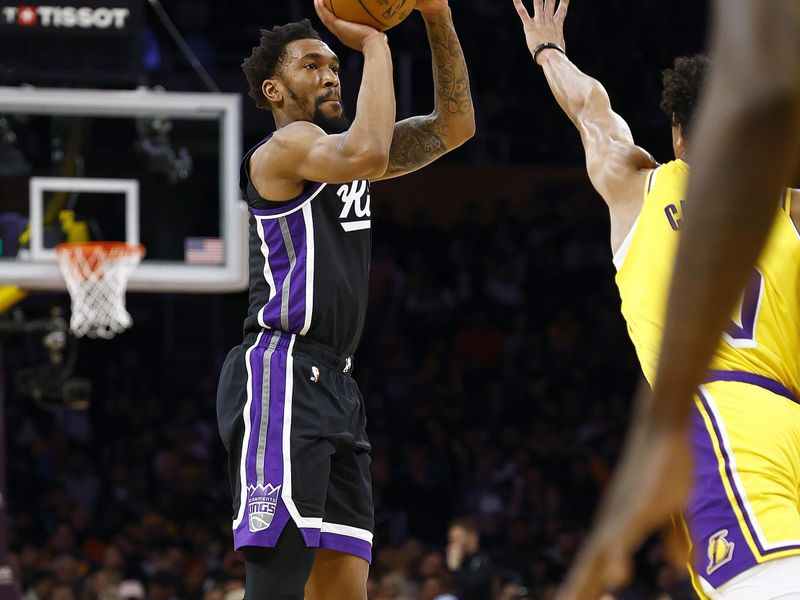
<point>272,91</point>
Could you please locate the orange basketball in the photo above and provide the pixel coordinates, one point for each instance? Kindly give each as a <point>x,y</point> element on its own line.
<point>380,14</point>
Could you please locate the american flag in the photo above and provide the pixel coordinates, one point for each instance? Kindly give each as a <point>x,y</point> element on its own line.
<point>203,251</point>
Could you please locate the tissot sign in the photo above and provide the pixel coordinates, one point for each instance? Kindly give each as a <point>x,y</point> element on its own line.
<point>107,16</point>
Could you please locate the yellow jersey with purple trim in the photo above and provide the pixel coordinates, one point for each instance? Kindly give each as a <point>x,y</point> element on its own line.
<point>744,508</point>
<point>764,332</point>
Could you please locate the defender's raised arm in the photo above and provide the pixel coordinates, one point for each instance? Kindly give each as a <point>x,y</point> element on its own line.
<point>616,166</point>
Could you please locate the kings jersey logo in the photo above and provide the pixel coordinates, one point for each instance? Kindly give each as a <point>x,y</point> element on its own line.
<point>720,551</point>
<point>262,500</point>
<point>355,199</point>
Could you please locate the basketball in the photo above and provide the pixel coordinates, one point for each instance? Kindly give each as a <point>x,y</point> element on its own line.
<point>380,14</point>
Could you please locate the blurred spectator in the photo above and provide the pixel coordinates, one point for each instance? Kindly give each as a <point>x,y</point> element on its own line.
<point>472,569</point>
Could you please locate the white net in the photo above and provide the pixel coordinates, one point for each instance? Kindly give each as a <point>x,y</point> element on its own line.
<point>97,274</point>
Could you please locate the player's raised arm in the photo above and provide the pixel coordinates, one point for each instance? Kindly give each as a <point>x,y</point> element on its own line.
<point>616,166</point>
<point>301,150</point>
<point>420,140</point>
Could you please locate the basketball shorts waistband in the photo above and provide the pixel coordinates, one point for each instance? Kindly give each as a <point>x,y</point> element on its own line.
<point>327,355</point>
<point>776,387</point>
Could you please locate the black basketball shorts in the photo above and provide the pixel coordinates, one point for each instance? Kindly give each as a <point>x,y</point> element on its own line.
<point>293,422</point>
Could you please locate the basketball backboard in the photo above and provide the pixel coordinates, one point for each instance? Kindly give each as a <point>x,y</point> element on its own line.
<point>158,168</point>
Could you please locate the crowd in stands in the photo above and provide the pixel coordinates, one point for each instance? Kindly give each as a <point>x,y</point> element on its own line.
<point>497,376</point>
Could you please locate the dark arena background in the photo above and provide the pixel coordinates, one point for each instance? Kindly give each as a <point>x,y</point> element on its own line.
<point>495,365</point>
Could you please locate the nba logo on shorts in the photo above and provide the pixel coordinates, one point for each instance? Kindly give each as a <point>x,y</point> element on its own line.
<point>261,504</point>
<point>720,551</point>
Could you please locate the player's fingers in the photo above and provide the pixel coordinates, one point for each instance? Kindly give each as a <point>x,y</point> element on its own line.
<point>325,15</point>
<point>561,13</point>
<point>521,10</point>
<point>538,9</point>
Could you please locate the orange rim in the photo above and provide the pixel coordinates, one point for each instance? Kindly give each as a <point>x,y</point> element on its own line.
<point>106,247</point>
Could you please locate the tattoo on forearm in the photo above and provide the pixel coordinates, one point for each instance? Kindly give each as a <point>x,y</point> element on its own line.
<point>449,67</point>
<point>421,140</point>
<point>417,141</point>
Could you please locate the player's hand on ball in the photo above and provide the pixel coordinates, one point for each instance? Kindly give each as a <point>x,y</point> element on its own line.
<point>430,7</point>
<point>352,35</point>
<point>546,24</point>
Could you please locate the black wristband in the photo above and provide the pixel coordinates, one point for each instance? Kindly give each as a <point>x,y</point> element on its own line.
<point>546,46</point>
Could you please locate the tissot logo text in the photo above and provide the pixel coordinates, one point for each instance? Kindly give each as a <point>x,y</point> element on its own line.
<point>66,17</point>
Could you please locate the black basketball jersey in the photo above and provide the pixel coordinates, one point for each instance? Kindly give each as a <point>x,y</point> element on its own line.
<point>309,261</point>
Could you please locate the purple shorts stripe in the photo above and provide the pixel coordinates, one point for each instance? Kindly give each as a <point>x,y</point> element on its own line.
<point>346,544</point>
<point>265,513</point>
<point>744,377</point>
<point>709,512</point>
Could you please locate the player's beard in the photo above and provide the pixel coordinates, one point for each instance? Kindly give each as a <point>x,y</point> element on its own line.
<point>329,125</point>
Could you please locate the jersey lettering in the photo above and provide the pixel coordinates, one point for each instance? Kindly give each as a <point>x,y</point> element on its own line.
<point>355,197</point>
<point>741,332</point>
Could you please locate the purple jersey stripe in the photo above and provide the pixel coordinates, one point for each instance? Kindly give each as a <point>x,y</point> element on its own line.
<point>279,265</point>
<point>346,544</point>
<point>287,240</point>
<point>709,512</point>
<point>297,291</point>
<point>768,384</point>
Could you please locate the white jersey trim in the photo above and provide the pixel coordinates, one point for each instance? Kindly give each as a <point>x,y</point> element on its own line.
<point>308,218</point>
<point>622,251</point>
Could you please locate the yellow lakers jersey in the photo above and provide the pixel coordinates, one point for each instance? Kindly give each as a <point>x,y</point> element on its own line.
<point>763,335</point>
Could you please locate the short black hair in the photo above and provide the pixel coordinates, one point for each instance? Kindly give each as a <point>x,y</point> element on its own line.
<point>265,60</point>
<point>683,86</point>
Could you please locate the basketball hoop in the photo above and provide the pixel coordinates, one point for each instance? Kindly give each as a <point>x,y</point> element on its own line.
<point>97,274</point>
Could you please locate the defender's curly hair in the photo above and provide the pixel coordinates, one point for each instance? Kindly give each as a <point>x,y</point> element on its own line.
<point>265,60</point>
<point>683,85</point>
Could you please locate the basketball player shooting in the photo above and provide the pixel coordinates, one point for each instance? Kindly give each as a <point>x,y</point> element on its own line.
<point>742,514</point>
<point>289,411</point>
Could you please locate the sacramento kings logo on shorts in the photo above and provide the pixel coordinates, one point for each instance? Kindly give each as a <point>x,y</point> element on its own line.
<point>261,503</point>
